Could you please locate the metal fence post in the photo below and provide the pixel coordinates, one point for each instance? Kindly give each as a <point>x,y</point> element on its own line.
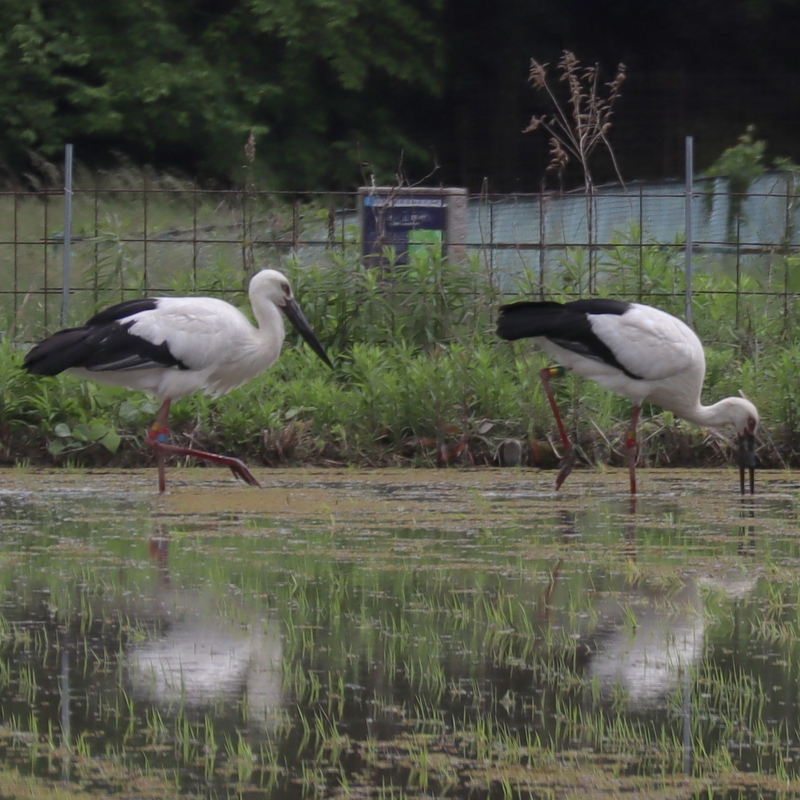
<point>65,278</point>
<point>689,241</point>
<point>641,241</point>
<point>542,242</point>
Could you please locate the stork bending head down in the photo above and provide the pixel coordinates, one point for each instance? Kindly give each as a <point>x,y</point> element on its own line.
<point>637,351</point>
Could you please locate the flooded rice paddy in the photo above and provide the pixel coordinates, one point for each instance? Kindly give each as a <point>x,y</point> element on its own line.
<point>399,634</point>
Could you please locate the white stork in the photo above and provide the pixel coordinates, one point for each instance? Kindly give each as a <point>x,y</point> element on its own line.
<point>172,347</point>
<point>637,351</point>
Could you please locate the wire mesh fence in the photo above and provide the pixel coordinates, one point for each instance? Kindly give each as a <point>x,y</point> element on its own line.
<point>156,239</point>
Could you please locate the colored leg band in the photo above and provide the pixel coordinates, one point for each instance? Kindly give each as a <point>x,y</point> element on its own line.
<point>158,433</point>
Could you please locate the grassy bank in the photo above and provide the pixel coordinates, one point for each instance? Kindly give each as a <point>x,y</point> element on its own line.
<point>422,379</point>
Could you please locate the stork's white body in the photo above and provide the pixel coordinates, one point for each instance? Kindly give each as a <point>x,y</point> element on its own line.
<point>214,340</point>
<point>663,352</point>
<point>172,347</point>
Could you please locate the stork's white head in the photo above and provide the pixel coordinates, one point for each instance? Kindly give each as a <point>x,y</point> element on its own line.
<point>271,285</point>
<point>742,414</point>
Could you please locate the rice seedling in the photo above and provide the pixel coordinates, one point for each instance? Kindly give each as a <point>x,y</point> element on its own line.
<point>269,758</point>
<point>185,738</point>
<point>155,730</point>
<point>311,779</point>
<point>82,747</point>
<point>27,683</point>
<point>305,737</point>
<point>5,672</point>
<point>330,743</point>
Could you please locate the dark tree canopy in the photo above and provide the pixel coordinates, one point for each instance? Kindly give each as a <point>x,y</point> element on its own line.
<point>338,90</point>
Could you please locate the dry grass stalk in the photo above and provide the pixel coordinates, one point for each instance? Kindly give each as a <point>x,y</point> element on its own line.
<point>576,132</point>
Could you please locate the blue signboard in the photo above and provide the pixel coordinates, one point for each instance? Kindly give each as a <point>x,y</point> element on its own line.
<point>403,222</point>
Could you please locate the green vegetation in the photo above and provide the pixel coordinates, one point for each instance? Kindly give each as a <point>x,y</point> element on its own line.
<point>120,781</point>
<point>740,165</point>
<point>421,378</point>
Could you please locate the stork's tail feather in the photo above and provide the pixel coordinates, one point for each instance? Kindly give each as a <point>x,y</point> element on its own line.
<point>62,350</point>
<point>527,318</point>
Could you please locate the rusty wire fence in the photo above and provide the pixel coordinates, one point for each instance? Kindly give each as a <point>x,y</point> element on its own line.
<point>127,242</point>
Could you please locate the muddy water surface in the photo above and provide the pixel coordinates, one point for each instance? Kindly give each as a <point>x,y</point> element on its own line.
<point>462,633</point>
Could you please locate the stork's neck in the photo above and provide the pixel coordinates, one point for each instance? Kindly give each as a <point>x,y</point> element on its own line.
<point>269,319</point>
<point>730,411</point>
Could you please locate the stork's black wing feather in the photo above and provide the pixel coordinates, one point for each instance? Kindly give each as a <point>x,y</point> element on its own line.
<point>598,305</point>
<point>122,310</point>
<point>568,325</point>
<point>103,344</point>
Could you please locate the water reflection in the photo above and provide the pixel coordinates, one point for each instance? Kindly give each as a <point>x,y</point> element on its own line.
<point>201,659</point>
<point>392,651</point>
<point>747,529</point>
<point>66,705</point>
<point>650,636</point>
<point>646,640</point>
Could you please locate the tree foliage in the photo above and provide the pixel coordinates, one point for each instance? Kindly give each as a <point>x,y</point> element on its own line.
<point>183,83</point>
<point>740,165</point>
<point>338,90</point>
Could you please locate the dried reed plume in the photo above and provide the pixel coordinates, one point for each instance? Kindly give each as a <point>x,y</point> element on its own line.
<point>576,132</point>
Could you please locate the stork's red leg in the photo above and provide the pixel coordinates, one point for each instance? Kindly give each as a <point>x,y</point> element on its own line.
<point>632,447</point>
<point>157,436</point>
<point>235,466</point>
<point>568,456</point>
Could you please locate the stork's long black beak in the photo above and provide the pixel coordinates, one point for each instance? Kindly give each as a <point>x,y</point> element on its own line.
<point>747,460</point>
<point>298,319</point>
